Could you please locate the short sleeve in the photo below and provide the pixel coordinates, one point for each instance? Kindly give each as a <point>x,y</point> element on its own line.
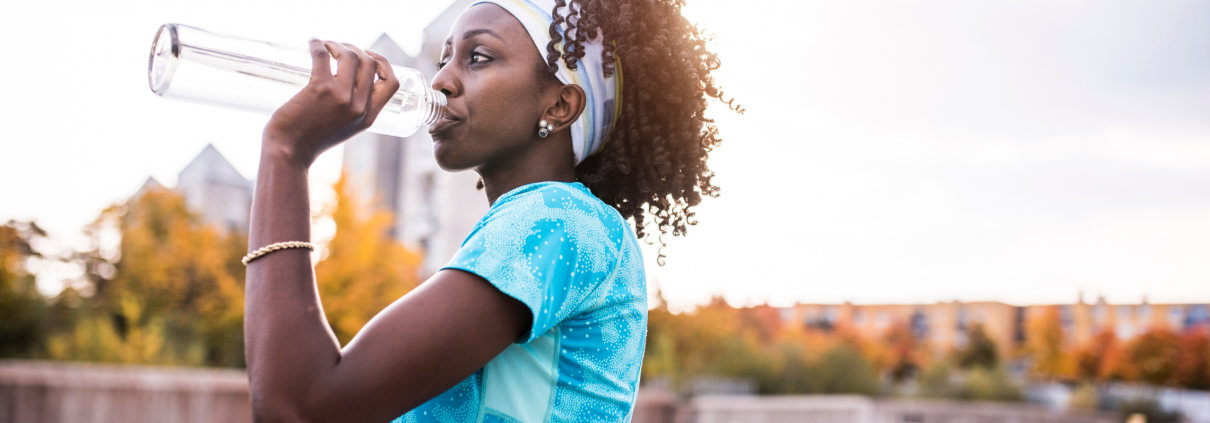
<point>549,248</point>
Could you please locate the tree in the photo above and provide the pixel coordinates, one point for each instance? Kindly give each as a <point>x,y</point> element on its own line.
<point>1044,343</point>
<point>1155,354</point>
<point>980,350</point>
<point>23,311</point>
<point>365,270</point>
<point>1193,368</point>
<point>1090,361</point>
<point>173,294</point>
<point>842,370</point>
<point>900,353</point>
<point>989,385</point>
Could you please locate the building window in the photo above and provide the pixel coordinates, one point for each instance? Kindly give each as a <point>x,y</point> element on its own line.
<point>1019,326</point>
<point>830,314</point>
<point>920,325</point>
<point>1199,314</point>
<point>859,318</point>
<point>882,320</point>
<point>1176,316</point>
<point>1125,331</point>
<point>786,314</point>
<point>1145,312</point>
<point>1124,312</point>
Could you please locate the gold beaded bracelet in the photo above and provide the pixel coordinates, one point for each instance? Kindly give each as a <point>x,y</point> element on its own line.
<point>274,247</point>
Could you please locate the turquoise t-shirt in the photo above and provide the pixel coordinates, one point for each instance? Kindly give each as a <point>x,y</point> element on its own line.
<point>575,263</point>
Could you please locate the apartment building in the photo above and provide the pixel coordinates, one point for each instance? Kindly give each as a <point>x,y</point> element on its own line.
<point>944,326</point>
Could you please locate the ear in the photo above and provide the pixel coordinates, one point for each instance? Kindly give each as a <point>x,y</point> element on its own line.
<point>567,109</point>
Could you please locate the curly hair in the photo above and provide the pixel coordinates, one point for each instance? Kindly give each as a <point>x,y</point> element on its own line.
<point>654,165</point>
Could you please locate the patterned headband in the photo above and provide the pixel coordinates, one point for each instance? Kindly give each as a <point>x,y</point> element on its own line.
<point>603,95</point>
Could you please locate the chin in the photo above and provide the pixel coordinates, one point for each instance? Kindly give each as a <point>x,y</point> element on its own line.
<point>448,158</point>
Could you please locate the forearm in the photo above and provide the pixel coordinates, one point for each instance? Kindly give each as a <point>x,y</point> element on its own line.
<point>288,342</point>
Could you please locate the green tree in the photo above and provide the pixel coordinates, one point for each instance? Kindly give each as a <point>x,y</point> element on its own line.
<point>23,311</point>
<point>979,352</point>
<point>843,370</point>
<point>989,385</point>
<point>937,381</point>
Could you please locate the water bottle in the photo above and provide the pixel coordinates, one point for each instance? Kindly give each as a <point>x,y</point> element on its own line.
<point>199,66</point>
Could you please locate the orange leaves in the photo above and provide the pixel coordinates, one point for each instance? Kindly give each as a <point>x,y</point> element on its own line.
<point>174,264</point>
<point>1157,357</point>
<point>171,293</point>
<point>1092,360</point>
<point>756,344</point>
<point>903,355</point>
<point>365,269</point>
<point>1044,344</point>
<point>1154,356</point>
<point>1193,366</point>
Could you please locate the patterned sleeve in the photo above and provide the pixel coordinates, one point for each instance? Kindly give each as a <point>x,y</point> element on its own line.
<point>549,248</point>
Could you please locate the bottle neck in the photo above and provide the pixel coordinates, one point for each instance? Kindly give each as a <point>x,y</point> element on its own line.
<point>434,107</point>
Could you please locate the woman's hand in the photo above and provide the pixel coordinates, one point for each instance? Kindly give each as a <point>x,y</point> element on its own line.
<point>331,108</point>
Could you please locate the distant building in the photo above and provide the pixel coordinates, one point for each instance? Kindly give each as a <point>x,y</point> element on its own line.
<point>944,326</point>
<point>434,210</point>
<point>1082,321</point>
<point>213,189</point>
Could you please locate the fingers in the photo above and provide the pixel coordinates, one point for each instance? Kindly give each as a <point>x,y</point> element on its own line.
<point>363,85</point>
<point>347,63</point>
<point>384,88</point>
<point>320,61</point>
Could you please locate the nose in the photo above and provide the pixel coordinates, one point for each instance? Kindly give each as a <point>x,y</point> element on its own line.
<point>446,82</point>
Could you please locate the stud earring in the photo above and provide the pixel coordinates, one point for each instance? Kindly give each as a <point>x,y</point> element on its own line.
<point>544,128</point>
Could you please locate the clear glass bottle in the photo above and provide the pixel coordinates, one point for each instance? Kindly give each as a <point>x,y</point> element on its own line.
<point>199,66</point>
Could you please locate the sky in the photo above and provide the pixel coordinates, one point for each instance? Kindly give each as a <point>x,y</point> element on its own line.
<point>1019,151</point>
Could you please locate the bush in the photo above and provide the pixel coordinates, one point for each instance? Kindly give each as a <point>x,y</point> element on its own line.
<point>1147,407</point>
<point>978,384</point>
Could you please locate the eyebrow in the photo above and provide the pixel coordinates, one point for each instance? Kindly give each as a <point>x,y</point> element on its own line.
<point>473,32</point>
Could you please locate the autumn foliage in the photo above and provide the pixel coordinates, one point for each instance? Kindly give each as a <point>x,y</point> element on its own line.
<point>171,289</point>
<point>171,293</point>
<point>365,270</point>
<point>1158,356</point>
<point>756,344</point>
<point>161,287</point>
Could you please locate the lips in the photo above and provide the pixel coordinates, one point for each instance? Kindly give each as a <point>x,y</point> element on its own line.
<point>444,124</point>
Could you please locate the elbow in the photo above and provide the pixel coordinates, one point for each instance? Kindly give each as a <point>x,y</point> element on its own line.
<point>267,409</point>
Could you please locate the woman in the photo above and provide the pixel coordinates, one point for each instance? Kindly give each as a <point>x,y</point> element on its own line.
<point>541,315</point>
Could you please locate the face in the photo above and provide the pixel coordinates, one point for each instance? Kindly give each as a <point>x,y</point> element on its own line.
<point>496,95</point>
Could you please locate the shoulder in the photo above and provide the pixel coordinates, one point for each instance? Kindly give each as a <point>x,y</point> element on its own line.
<point>555,207</point>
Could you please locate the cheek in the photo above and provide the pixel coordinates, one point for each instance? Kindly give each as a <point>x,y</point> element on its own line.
<point>502,110</point>
<point>502,116</point>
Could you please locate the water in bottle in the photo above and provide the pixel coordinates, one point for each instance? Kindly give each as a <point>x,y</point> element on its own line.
<point>199,66</point>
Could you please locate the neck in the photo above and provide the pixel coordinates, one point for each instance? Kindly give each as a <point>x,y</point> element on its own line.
<point>551,160</point>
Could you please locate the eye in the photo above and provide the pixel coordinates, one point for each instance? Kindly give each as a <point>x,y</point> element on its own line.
<point>441,64</point>
<point>479,57</point>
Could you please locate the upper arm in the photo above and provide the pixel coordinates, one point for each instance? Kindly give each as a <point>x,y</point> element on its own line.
<point>418,347</point>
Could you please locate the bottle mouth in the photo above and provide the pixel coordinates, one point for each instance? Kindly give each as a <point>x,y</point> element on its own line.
<point>162,63</point>
<point>434,108</point>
